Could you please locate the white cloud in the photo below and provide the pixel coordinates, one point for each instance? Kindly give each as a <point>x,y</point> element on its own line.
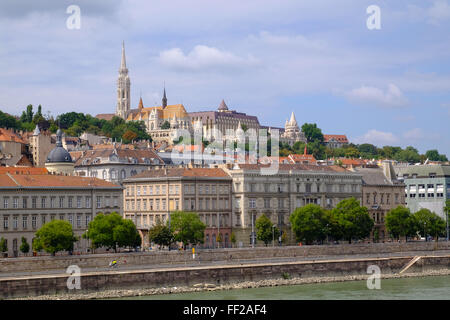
<point>204,58</point>
<point>378,138</point>
<point>439,11</point>
<point>414,134</point>
<point>391,98</point>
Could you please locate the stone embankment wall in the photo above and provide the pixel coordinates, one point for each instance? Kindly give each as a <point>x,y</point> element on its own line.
<point>176,257</point>
<point>217,275</point>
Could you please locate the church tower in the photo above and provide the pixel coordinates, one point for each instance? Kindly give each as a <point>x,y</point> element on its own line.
<point>123,88</point>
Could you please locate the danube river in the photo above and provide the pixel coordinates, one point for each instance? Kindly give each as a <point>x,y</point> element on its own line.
<point>434,288</point>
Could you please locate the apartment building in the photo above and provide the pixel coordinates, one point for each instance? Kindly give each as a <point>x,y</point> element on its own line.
<point>28,201</point>
<point>278,195</point>
<point>154,194</point>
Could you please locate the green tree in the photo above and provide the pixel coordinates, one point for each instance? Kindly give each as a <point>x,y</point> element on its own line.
<point>351,153</point>
<point>400,222</point>
<point>312,132</point>
<point>3,245</point>
<point>264,231</point>
<point>112,231</point>
<point>353,220</point>
<point>24,247</point>
<point>410,155</point>
<point>160,234</point>
<point>187,228</point>
<point>54,236</point>
<point>309,223</point>
<point>368,150</point>
<point>429,223</point>
<point>8,121</point>
<point>129,136</point>
<point>434,155</point>
<point>29,113</point>
<point>233,238</point>
<point>165,125</point>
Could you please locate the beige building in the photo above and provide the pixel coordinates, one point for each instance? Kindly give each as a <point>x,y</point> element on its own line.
<point>28,201</point>
<point>154,194</point>
<point>40,146</point>
<point>278,195</point>
<point>381,192</point>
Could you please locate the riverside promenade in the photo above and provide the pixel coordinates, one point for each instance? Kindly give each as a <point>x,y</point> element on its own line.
<point>145,270</point>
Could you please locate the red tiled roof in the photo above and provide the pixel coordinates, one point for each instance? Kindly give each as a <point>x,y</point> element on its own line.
<point>48,180</point>
<point>182,172</point>
<point>338,137</point>
<point>9,135</point>
<point>23,170</point>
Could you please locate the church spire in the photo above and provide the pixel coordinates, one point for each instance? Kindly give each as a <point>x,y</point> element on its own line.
<point>164,99</point>
<point>123,88</point>
<point>123,62</point>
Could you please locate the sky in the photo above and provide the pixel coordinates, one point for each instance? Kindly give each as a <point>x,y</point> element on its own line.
<point>318,59</point>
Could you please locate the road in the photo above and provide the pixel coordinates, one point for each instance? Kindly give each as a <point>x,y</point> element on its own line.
<point>123,266</point>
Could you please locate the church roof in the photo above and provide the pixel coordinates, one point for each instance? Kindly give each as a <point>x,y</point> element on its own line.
<point>168,112</point>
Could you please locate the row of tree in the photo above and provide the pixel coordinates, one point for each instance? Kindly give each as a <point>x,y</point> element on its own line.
<point>74,124</point>
<point>400,222</point>
<point>105,231</point>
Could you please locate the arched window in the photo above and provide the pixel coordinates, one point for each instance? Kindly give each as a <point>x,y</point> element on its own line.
<point>113,174</point>
<point>104,175</point>
<point>123,174</point>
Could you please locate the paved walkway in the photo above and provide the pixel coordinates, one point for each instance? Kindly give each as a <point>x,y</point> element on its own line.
<point>123,267</point>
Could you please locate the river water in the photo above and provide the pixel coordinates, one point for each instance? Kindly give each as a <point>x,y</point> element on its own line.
<point>424,288</point>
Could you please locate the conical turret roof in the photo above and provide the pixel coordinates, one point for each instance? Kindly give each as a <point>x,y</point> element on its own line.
<point>223,106</point>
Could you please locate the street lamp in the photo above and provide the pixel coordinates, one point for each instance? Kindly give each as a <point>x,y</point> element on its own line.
<point>273,235</point>
<point>424,233</point>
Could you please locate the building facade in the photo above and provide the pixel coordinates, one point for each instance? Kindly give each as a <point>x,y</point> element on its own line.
<point>224,121</point>
<point>41,143</point>
<point>334,141</point>
<point>114,163</point>
<point>28,201</point>
<point>381,192</point>
<point>152,195</point>
<point>426,186</point>
<point>278,195</point>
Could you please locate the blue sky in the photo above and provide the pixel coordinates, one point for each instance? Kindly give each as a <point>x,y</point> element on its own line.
<point>266,58</point>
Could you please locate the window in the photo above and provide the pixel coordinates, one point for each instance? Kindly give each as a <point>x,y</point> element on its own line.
<point>354,188</point>
<point>88,202</point>
<point>382,198</point>
<point>70,202</point>
<point>206,204</point>
<point>280,188</point>
<point>177,204</point>
<point>226,203</point>
<point>88,219</point>
<point>5,203</point>
<point>115,202</point>
<point>206,189</point>
<point>238,203</point>
<point>70,219</point>
<point>252,187</point>
<point>15,203</point>
<point>308,187</point>
<point>342,188</point>
<point>138,190</point>
<point>200,189</point>
<point>266,202</point>
<point>15,223</point>
<point>164,204</point>
<point>5,223</point>
<point>200,204</point>
<point>375,198</point>
<point>42,219</point>
<point>33,222</point>
<point>24,202</point>
<point>52,202</point>
<point>61,217</point>
<point>78,221</point>
<point>78,202</point>
<point>33,202</point>
<point>99,202</point>
<point>151,205</point>
<point>367,198</point>
<point>280,203</point>
<point>61,202</point>
<point>150,190</point>
<point>252,203</point>
<point>213,189</point>
<point>213,204</point>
